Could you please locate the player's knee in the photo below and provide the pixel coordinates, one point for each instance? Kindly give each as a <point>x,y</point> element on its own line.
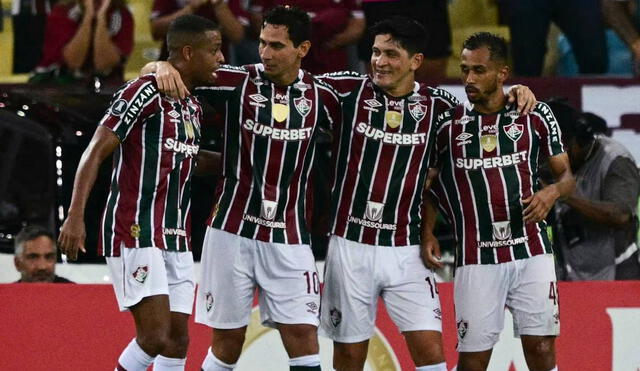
<point>349,356</point>
<point>227,344</point>
<point>177,345</point>
<point>539,347</point>
<point>154,341</point>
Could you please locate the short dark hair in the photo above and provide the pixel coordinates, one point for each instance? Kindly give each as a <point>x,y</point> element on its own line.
<point>573,124</point>
<point>185,28</point>
<point>296,20</point>
<point>497,45</point>
<point>30,233</point>
<point>410,34</point>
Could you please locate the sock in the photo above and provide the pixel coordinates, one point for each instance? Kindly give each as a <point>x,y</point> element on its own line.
<point>211,363</point>
<point>305,363</point>
<point>163,363</point>
<point>133,358</point>
<point>437,367</point>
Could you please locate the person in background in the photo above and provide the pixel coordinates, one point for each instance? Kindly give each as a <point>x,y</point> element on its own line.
<point>35,256</point>
<point>624,17</point>
<point>581,21</point>
<point>598,222</point>
<point>227,13</point>
<point>84,39</point>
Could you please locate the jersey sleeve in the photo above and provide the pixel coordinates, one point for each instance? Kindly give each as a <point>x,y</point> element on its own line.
<point>548,130</point>
<point>442,100</point>
<point>344,83</point>
<point>228,79</point>
<point>331,109</point>
<point>440,135</point>
<point>135,101</point>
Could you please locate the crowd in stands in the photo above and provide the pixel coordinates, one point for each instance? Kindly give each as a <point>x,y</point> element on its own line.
<point>71,39</point>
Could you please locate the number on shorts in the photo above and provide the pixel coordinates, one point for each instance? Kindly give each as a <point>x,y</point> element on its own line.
<point>553,292</point>
<point>432,287</point>
<point>312,282</point>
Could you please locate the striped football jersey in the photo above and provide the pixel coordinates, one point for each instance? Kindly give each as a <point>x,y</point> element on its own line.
<point>269,147</point>
<point>488,165</point>
<point>149,200</point>
<point>382,149</point>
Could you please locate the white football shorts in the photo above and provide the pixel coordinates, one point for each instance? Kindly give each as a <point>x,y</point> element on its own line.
<point>357,274</point>
<point>141,272</point>
<point>526,287</point>
<point>233,267</point>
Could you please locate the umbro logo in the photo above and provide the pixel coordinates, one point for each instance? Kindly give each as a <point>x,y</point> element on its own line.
<point>373,103</point>
<point>174,114</point>
<point>463,138</point>
<point>258,98</point>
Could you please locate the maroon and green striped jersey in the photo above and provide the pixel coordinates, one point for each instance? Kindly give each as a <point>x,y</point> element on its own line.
<point>149,200</point>
<point>381,151</point>
<point>269,146</point>
<point>488,165</point>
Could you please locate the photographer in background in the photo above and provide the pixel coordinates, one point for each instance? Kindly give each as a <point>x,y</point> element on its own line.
<point>597,224</point>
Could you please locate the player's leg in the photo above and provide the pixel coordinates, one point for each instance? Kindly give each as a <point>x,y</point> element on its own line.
<point>225,295</point>
<point>479,296</point>
<point>140,283</point>
<point>533,301</point>
<point>411,297</point>
<point>180,276</point>
<point>349,301</point>
<point>539,352</point>
<point>289,298</point>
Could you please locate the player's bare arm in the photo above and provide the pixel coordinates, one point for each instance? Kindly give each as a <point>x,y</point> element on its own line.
<point>168,79</point>
<point>430,247</point>
<point>539,204</point>
<point>72,233</point>
<point>209,163</point>
<point>524,97</point>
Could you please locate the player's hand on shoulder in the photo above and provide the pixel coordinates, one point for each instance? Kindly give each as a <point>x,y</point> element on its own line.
<point>430,251</point>
<point>169,81</point>
<point>524,98</point>
<point>72,236</point>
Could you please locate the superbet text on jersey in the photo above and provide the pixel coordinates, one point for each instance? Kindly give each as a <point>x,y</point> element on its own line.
<point>149,200</point>
<point>382,154</point>
<point>269,149</point>
<point>488,165</point>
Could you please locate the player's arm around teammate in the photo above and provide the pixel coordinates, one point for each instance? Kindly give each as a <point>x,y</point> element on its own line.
<point>150,259</point>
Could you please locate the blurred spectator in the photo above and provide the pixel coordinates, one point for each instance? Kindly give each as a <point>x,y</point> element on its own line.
<point>432,14</point>
<point>624,17</point>
<point>29,18</point>
<point>581,21</point>
<point>227,13</point>
<point>35,256</point>
<point>335,25</point>
<point>86,38</point>
<point>597,225</point>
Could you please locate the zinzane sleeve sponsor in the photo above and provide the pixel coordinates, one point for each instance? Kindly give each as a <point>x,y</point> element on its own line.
<point>548,130</point>
<point>344,83</point>
<point>128,104</point>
